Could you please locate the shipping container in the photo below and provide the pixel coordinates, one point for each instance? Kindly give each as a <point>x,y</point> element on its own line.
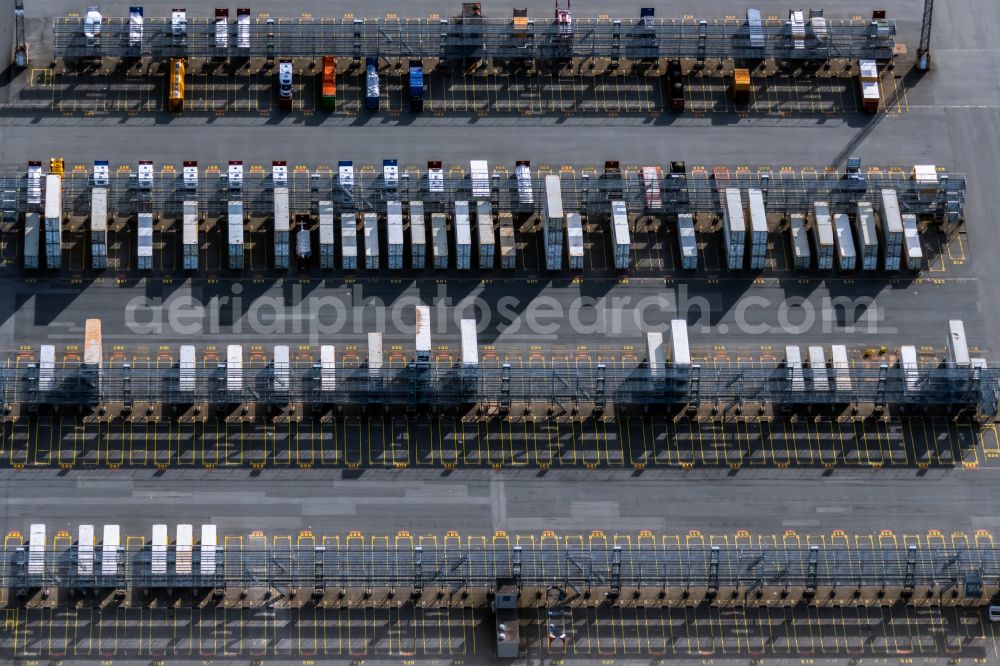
<point>374,355</point>
<point>372,254</point>
<point>144,245</point>
<point>189,235</point>
<point>394,234</point>
<point>892,230</point>
<point>734,228</point>
<point>908,362</point>
<point>283,84</point>
<point>327,235</point>
<point>327,368</point>
<point>463,236</point>
<point>53,221</point>
<point>867,236</point>
<point>793,364</point>
<point>675,86</point>
<point>222,29</point>
<point>651,177</point>
<point>303,243</point>
<point>242,29</point>
<point>758,229</point>
<point>281,228</point>
<point>958,347</point>
<point>574,241</point>
<point>847,255</point>
<point>479,172</point>
<point>158,550</point>
<point>185,545</point>
<point>175,96</point>
<point>655,354</point>
<point>508,247</point>
<point>345,180</point>
<point>112,555</point>
<point>416,86</point>
<point>926,178</point>
<point>349,241</point>
<point>36,549</point>
<point>818,369</point>
<point>553,224</point>
<point>470,343</point>
<point>756,27</point>
<point>841,369</point>
<point>911,243</point>
<point>621,237</point>
<point>418,236</point>
<point>371,83</point>
<point>135,24</point>
<point>188,370</point>
<point>439,240</point>
<point>46,367</point>
<point>32,232</point>
<point>422,343</point>
<point>435,178</point>
<point>329,84</point>
<point>487,237</point>
<point>93,349</point>
<point>178,25</point>
<point>234,370</point>
<point>801,254</point>
<point>235,226</point>
<point>870,96</point>
<point>99,228</point>
<point>680,352</point>
<point>35,180</point>
<point>190,176</point>
<point>525,186</point>
<point>281,369</point>
<point>207,548</point>
<point>85,551</point>
<point>868,70</point>
<point>823,236</point>
<point>687,241</point>
<point>741,85</point>
<point>797,24</point>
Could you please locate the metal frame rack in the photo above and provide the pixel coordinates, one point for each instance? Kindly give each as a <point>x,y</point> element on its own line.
<point>541,39</point>
<point>785,192</point>
<point>970,574</point>
<point>421,385</point>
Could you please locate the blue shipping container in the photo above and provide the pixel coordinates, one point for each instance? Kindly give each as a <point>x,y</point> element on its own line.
<point>416,88</point>
<point>372,92</point>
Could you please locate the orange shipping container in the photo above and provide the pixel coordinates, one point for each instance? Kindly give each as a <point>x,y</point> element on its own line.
<point>329,81</point>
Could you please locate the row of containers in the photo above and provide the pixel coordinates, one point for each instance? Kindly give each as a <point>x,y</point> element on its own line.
<point>820,238</point>
<point>814,372</point>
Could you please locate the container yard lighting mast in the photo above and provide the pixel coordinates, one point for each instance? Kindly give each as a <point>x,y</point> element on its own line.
<point>924,50</point>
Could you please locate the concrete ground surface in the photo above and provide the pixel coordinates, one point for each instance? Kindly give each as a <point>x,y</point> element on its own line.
<point>952,118</point>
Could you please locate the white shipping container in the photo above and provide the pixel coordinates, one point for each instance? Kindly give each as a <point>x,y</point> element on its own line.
<point>439,240</point>
<point>188,369</point>
<point>85,551</point>
<point>110,547</point>
<point>867,236</point>
<point>463,236</point>
<point>801,253</point>
<point>926,177</point>
<point>207,550</point>
<point>958,348</point>
<point>574,241</point>
<point>892,230</point>
<point>281,228</point>
<point>370,224</point>
<point>158,556</point>
<point>185,544</point>
<point>841,368</point>
<point>31,236</point>
<point>349,240</point>
<point>374,354</point>
<point>620,235</point>
<point>817,365</point>
<point>36,549</point>
<point>655,353</point>
<point>418,236</point>
<point>525,186</point>
<point>508,246</point>
<point>93,344</point>
<point>435,180</point>
<point>868,70</point>
<point>479,172</point>
<point>282,369</point>
<point>327,368</point>
<point>189,235</point>
<point>680,352</point>
<point>46,367</point>
<point>470,343</point>
<point>823,236</point>
<point>911,243</point>
<point>144,246</point>
<point>326,235</point>
<point>846,252</point>
<point>394,234</point>
<point>53,221</point>
<point>553,205</point>
<point>423,333</point>
<point>734,228</point>
<point>99,228</point>
<point>487,237</point>
<point>234,368</point>
<point>793,362</point>
<point>651,186</point>
<point>235,225</point>
<point>35,185</point>
<point>345,179</point>
<point>908,362</point>
<point>758,229</point>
